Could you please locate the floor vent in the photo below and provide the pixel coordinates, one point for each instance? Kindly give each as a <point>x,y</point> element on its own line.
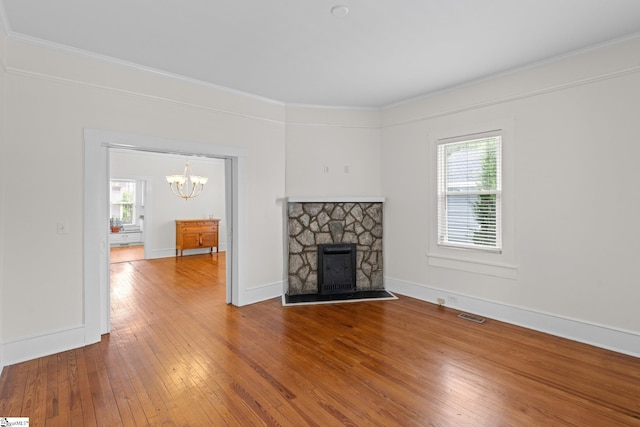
<point>471,317</point>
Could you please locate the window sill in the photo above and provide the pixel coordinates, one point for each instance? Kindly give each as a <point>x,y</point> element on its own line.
<point>505,271</point>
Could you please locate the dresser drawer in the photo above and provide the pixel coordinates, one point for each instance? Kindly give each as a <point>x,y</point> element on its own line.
<point>191,228</point>
<point>203,223</point>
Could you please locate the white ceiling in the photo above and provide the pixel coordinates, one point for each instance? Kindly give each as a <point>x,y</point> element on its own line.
<point>297,52</point>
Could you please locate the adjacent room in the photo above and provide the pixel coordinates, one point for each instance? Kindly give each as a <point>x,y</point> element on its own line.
<point>319,213</point>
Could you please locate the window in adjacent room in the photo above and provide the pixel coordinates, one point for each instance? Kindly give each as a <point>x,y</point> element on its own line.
<point>126,202</point>
<point>470,193</point>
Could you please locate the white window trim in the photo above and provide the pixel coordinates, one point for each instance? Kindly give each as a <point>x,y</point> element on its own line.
<point>492,263</point>
<point>442,193</point>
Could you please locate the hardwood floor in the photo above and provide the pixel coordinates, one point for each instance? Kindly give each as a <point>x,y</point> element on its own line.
<point>178,355</point>
<point>126,253</point>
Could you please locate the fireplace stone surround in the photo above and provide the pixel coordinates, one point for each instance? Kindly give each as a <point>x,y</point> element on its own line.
<point>314,221</point>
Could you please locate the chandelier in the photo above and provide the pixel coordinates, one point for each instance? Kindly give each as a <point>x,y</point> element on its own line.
<point>187,185</point>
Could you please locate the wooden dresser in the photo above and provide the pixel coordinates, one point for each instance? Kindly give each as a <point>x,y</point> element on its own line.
<point>196,233</point>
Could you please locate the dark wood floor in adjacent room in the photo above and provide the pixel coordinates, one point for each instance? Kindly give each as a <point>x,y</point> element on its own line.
<point>179,356</point>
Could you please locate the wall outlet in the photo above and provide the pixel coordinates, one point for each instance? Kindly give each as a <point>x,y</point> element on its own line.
<point>452,299</point>
<point>440,301</point>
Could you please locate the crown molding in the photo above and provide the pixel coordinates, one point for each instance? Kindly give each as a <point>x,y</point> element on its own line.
<point>43,76</point>
<point>18,37</point>
<point>512,71</point>
<point>515,97</point>
<point>336,107</point>
<point>333,125</point>
<point>81,53</point>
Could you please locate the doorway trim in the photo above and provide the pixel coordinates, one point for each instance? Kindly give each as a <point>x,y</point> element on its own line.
<point>96,245</point>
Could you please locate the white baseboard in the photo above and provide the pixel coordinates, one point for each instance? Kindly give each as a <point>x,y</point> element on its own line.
<point>261,293</point>
<point>27,348</point>
<point>600,336</point>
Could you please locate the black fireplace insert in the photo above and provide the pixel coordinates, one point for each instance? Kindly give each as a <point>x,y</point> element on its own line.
<point>336,268</point>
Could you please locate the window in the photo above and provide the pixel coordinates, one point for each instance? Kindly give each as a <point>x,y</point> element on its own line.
<point>470,193</point>
<point>125,201</point>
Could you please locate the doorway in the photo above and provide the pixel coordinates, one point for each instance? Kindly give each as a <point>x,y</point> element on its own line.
<point>96,272</point>
<point>127,213</point>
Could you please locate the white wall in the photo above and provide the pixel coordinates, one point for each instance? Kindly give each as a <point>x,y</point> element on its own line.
<point>573,129</point>
<point>3,160</point>
<point>321,142</point>
<point>163,205</point>
<point>52,97</point>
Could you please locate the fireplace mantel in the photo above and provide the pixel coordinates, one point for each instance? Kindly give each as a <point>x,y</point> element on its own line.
<point>341,199</point>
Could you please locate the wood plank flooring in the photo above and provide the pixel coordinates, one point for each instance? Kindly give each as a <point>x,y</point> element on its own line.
<point>126,253</point>
<point>179,356</point>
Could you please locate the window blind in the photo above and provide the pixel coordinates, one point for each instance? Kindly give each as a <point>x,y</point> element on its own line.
<point>470,193</point>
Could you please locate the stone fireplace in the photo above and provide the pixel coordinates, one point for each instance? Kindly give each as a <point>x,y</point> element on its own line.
<point>341,222</point>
